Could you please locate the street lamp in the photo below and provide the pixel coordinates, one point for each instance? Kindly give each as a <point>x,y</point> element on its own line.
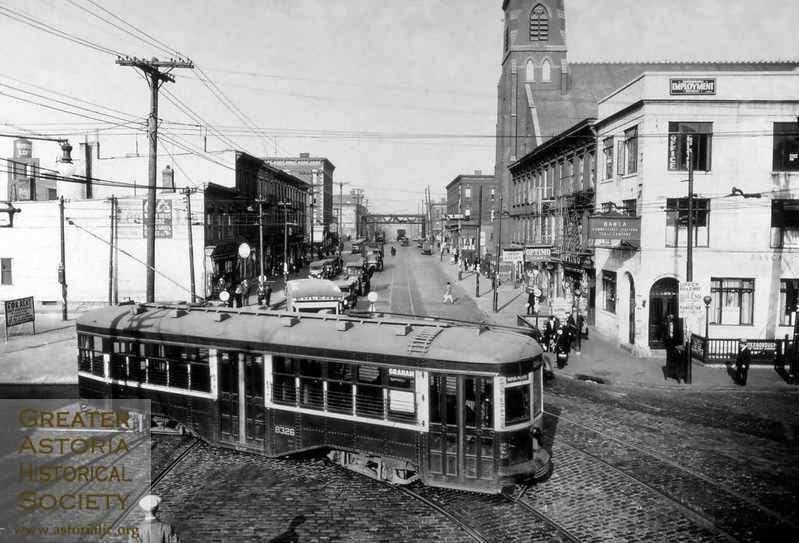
<point>66,169</point>
<point>707,300</point>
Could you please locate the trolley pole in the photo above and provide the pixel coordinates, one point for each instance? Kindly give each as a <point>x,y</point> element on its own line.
<point>62,268</point>
<point>155,77</point>
<point>188,192</point>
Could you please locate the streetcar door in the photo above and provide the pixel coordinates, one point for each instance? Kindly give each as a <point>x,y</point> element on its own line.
<point>445,437</point>
<point>228,396</point>
<point>254,411</point>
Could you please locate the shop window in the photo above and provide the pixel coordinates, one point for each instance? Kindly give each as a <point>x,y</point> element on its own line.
<point>607,151</point>
<point>784,223</point>
<point>631,149</point>
<point>609,291</point>
<point>786,147</point>
<point>539,23</point>
<point>789,301</point>
<point>693,135</point>
<point>517,404</point>
<point>677,222</point>
<point>733,301</point>
<point>5,272</point>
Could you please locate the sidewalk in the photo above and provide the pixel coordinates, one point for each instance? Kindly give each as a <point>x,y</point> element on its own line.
<point>600,359</point>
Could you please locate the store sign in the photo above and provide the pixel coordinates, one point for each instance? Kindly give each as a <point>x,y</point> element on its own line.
<point>575,259</point>
<point>537,254</point>
<point>19,311</point>
<point>163,219</point>
<point>692,87</point>
<point>614,232</point>
<point>512,256</point>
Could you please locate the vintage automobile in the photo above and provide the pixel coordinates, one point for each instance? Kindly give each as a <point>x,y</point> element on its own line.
<point>324,269</point>
<point>427,248</point>
<point>374,259</point>
<point>404,242</point>
<point>355,266</point>
<point>348,284</point>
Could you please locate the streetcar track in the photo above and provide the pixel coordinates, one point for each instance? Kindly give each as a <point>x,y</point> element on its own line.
<point>157,479</point>
<point>695,515</point>
<point>542,516</point>
<point>752,502</point>
<point>474,534</point>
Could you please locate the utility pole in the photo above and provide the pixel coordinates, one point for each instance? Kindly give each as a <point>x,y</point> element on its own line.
<point>116,251</point>
<point>87,150</point>
<point>285,206</point>
<point>155,77</point>
<point>479,227</point>
<point>111,252</point>
<point>689,271</point>
<point>499,248</point>
<point>62,268</point>
<point>188,192</point>
<point>260,199</point>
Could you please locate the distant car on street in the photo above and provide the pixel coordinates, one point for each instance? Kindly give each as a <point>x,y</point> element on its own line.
<point>404,242</point>
<point>427,248</point>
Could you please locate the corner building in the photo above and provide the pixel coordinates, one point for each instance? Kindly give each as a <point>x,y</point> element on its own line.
<point>742,132</point>
<point>540,94</point>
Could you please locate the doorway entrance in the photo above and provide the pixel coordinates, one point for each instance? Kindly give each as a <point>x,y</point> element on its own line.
<point>662,302</point>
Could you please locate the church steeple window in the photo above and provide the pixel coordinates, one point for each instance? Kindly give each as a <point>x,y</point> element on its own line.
<point>529,70</point>
<point>539,23</point>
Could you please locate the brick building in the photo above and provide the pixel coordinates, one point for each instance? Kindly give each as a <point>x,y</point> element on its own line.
<point>318,173</point>
<point>352,214</point>
<point>463,210</point>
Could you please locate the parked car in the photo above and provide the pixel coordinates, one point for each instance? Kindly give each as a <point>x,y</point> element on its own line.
<point>404,242</point>
<point>427,248</point>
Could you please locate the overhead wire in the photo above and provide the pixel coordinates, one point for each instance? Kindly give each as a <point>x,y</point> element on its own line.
<point>44,27</point>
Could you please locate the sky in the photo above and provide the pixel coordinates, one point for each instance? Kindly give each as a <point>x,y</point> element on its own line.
<point>398,95</point>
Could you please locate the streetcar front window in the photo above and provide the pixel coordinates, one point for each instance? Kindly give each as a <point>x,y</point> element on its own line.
<point>517,404</point>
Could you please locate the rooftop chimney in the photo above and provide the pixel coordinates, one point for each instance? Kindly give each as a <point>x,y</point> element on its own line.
<point>305,155</point>
<point>168,179</point>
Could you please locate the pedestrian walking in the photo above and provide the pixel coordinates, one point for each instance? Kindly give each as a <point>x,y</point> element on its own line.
<point>530,303</point>
<point>245,293</point>
<point>237,292</point>
<point>571,329</point>
<point>562,347</point>
<point>742,362</point>
<point>448,294</point>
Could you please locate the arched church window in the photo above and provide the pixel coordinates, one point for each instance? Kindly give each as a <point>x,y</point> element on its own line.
<point>539,23</point>
<point>529,71</point>
<point>546,70</point>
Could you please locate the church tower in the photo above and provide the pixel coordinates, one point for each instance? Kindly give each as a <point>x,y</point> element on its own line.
<point>533,59</point>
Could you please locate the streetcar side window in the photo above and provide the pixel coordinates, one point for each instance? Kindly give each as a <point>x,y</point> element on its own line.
<point>478,406</point>
<point>283,384</point>
<point>401,398</point>
<point>517,404</point>
<point>200,372</point>
<point>369,394</point>
<point>339,387</point>
<point>85,348</point>
<point>311,387</point>
<point>435,398</point>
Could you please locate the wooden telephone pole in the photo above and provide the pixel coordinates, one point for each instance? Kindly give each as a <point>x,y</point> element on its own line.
<point>155,77</point>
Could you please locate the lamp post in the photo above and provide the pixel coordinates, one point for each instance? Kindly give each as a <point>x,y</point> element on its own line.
<point>499,248</point>
<point>707,300</point>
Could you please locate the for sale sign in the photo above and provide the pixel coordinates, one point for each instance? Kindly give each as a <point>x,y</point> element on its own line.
<point>19,311</point>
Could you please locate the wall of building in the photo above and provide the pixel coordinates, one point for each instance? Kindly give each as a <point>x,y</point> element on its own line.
<point>739,229</point>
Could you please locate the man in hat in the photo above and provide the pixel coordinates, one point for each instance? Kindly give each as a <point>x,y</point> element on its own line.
<point>153,530</point>
<point>742,362</point>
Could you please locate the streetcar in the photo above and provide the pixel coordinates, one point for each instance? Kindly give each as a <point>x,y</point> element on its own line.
<point>397,399</point>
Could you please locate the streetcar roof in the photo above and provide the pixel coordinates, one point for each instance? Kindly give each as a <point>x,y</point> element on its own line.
<point>414,343</point>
